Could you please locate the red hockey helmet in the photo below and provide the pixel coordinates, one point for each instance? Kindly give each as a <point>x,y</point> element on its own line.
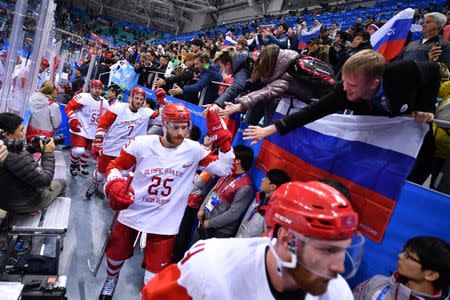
<point>45,63</point>
<point>96,83</point>
<point>175,112</point>
<point>138,90</point>
<point>312,209</point>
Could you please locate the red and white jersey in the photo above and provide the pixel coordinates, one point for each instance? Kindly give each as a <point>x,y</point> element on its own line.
<point>226,269</point>
<point>121,125</point>
<point>87,110</point>
<point>163,180</point>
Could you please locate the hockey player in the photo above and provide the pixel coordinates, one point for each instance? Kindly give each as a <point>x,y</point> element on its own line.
<point>120,123</point>
<point>312,230</point>
<point>84,111</point>
<point>164,171</point>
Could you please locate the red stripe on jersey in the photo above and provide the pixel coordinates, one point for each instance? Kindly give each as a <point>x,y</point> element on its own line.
<point>165,286</point>
<point>106,120</point>
<point>154,115</point>
<point>72,106</point>
<point>208,159</point>
<point>124,162</point>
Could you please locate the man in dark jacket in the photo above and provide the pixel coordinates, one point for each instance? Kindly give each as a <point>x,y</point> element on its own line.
<point>185,78</point>
<point>103,71</point>
<point>26,185</point>
<point>236,64</point>
<point>209,73</point>
<point>430,47</point>
<point>368,87</point>
<point>145,68</point>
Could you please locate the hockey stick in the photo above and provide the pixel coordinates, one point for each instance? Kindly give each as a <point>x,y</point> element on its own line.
<point>108,235</point>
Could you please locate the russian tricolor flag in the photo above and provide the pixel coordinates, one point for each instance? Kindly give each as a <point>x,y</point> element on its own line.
<point>305,36</point>
<point>416,32</point>
<point>229,41</point>
<point>370,155</point>
<point>391,37</point>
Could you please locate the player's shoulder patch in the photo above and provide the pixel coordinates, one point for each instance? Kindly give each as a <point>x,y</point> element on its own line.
<point>78,97</point>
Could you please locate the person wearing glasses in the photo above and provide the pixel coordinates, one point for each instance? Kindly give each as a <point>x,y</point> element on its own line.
<point>423,274</point>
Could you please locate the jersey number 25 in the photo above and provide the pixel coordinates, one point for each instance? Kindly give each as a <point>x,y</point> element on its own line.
<point>153,188</point>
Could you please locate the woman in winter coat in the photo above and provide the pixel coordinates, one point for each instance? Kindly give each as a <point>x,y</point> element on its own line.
<point>271,68</point>
<point>45,112</point>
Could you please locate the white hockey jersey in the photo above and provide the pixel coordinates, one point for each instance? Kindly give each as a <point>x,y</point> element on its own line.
<point>87,111</point>
<point>226,269</point>
<point>124,125</point>
<point>163,180</point>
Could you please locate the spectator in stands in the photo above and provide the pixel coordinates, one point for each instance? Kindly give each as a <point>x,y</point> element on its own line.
<point>196,46</point>
<point>430,47</point>
<point>103,71</point>
<point>418,18</point>
<point>338,53</point>
<point>253,222</point>
<point>358,26</point>
<point>238,66</point>
<point>26,185</point>
<point>334,30</point>
<point>279,37</point>
<point>272,68</point>
<point>293,39</point>
<point>163,63</point>
<point>181,80</point>
<point>145,69</point>
<point>318,50</point>
<point>324,36</point>
<point>208,73</point>
<point>45,113</point>
<point>446,33</point>
<point>221,210</point>
<point>423,273</point>
<point>411,88</point>
<point>361,41</point>
<point>78,83</point>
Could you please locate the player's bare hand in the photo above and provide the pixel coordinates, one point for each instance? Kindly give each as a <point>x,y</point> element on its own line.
<point>422,117</point>
<point>257,133</point>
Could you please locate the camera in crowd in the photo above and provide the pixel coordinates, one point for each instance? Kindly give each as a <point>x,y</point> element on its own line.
<point>13,145</point>
<point>35,145</point>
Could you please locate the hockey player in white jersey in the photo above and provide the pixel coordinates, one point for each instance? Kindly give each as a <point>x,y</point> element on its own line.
<point>120,123</point>
<point>312,229</point>
<point>164,171</point>
<point>84,111</point>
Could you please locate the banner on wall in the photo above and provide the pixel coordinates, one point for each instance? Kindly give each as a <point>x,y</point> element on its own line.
<point>372,156</point>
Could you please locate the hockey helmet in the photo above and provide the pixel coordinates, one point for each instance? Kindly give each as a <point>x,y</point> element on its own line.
<point>138,90</point>
<point>96,83</point>
<point>313,209</point>
<point>176,112</point>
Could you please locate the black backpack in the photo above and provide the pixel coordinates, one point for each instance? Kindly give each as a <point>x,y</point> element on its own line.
<point>316,73</point>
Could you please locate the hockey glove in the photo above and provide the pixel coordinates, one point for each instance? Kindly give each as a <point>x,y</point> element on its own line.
<point>119,196</point>
<point>218,132</point>
<point>97,148</point>
<point>160,96</point>
<point>75,125</point>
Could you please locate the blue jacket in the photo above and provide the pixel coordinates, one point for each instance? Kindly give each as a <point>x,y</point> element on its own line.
<point>240,74</point>
<point>281,41</point>
<point>210,73</point>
